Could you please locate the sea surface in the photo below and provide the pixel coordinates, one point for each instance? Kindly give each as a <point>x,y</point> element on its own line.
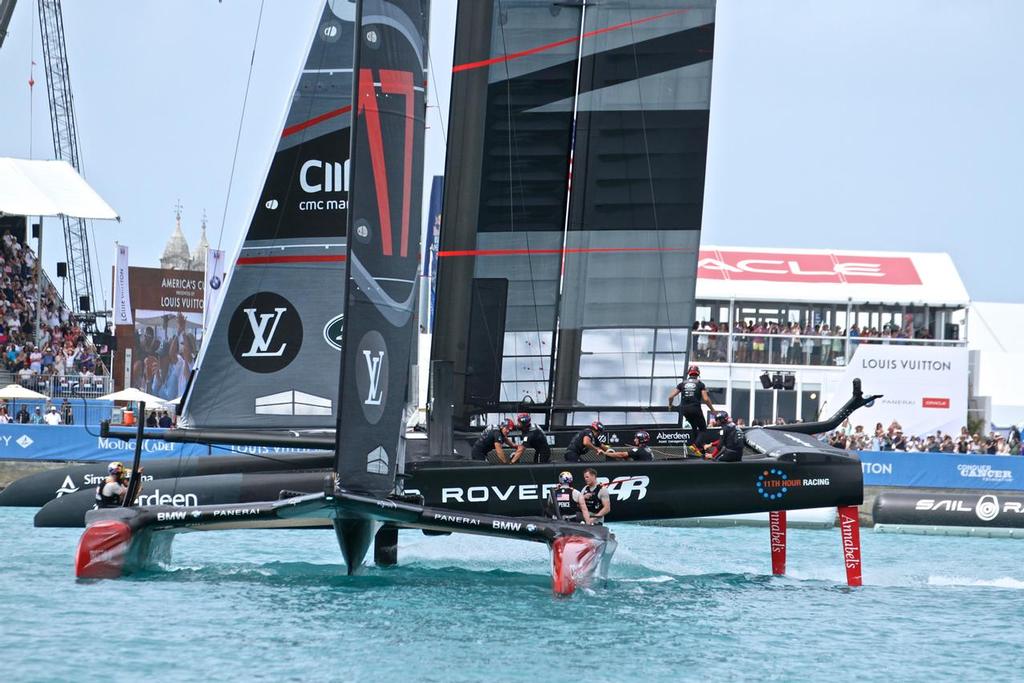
<point>681,604</point>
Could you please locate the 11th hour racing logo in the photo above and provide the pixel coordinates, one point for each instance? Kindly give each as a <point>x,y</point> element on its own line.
<point>773,484</point>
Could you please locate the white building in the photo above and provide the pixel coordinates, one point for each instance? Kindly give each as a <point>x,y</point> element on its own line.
<point>906,301</point>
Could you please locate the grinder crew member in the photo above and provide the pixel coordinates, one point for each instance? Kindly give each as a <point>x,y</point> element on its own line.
<point>693,393</point>
<point>586,441</point>
<point>533,437</point>
<point>493,438</point>
<point>596,500</point>
<point>640,450</point>
<point>730,446</point>
<point>566,503</point>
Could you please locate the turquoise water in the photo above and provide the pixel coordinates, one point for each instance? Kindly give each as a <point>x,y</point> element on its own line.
<point>683,604</point>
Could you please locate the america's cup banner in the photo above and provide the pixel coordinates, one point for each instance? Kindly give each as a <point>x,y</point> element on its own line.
<point>924,387</point>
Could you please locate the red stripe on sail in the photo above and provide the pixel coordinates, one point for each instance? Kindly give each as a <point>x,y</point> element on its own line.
<point>528,252</point>
<point>542,48</point>
<point>310,258</point>
<point>291,130</point>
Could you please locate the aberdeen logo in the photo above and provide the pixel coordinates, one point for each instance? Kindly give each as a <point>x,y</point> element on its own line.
<point>371,360</point>
<point>334,331</point>
<point>265,332</point>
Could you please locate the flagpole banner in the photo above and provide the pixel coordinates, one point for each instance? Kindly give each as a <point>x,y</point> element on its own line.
<point>215,274</point>
<point>122,296</point>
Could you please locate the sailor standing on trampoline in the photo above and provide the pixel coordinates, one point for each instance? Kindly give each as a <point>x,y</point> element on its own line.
<point>693,393</point>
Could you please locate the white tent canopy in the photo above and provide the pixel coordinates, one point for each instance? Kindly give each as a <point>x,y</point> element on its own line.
<point>48,188</point>
<point>134,395</point>
<point>16,391</point>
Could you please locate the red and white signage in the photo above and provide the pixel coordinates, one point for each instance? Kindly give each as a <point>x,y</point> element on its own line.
<point>821,267</point>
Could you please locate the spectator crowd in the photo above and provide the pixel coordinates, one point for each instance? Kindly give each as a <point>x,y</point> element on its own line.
<point>63,348</point>
<point>892,438</point>
<point>789,343</point>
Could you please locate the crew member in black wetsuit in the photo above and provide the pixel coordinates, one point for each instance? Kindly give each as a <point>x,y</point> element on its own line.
<point>494,438</point>
<point>565,502</point>
<point>111,492</point>
<point>692,394</point>
<point>533,437</point>
<point>730,446</point>
<point>595,497</point>
<point>586,441</point>
<point>640,450</point>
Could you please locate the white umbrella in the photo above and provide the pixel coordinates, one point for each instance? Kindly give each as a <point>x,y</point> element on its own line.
<point>16,391</point>
<point>133,394</point>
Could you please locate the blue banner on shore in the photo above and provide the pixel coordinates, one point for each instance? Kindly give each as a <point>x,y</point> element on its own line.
<point>943,470</point>
<point>75,442</point>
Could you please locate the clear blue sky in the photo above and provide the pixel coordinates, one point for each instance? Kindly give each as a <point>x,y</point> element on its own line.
<point>853,125</point>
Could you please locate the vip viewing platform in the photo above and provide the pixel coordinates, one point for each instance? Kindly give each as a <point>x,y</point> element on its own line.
<point>779,332</point>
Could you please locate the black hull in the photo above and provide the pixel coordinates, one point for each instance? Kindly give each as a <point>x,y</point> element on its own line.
<point>38,489</point>
<point>639,491</point>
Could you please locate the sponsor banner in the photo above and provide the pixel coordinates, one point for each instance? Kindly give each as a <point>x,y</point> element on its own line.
<point>79,442</point>
<point>808,268</point>
<point>943,470</point>
<point>215,275</point>
<point>923,388</point>
<point>122,288</point>
<point>950,509</point>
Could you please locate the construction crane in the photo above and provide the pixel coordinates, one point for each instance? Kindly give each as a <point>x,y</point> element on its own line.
<point>65,146</point>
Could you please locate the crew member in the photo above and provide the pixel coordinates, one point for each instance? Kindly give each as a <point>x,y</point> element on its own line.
<point>730,446</point>
<point>494,438</point>
<point>566,503</point>
<point>639,451</point>
<point>693,392</point>
<point>533,437</point>
<point>595,497</point>
<point>111,493</point>
<point>586,441</point>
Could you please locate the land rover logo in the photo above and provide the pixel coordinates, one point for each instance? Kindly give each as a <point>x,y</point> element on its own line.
<point>371,359</point>
<point>265,333</point>
<point>333,331</point>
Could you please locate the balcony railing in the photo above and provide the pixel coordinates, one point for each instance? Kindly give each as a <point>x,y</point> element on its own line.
<point>789,349</point>
<point>86,386</point>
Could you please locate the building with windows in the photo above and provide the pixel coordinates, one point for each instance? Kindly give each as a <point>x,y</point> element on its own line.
<point>797,318</point>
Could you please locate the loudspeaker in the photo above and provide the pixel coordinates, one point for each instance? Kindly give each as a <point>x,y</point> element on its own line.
<point>789,382</point>
<point>36,230</point>
<point>952,331</point>
<point>766,380</point>
<point>777,381</point>
<point>83,304</point>
<point>62,269</point>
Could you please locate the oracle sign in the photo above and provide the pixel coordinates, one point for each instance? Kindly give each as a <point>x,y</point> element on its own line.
<point>828,267</point>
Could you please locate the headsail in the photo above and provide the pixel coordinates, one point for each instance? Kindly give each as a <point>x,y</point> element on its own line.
<point>384,241</point>
<point>272,358</point>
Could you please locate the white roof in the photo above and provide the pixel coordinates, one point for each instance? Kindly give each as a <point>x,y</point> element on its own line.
<point>48,188</point>
<point>828,276</point>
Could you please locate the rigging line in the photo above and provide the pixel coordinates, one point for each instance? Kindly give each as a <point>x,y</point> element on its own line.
<point>565,226</point>
<point>241,119</point>
<point>31,70</point>
<point>440,116</point>
<point>515,183</point>
<point>654,206</point>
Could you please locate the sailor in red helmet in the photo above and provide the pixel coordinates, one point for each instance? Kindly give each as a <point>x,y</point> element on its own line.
<point>533,437</point>
<point>693,393</point>
<point>494,438</point>
<point>587,440</point>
